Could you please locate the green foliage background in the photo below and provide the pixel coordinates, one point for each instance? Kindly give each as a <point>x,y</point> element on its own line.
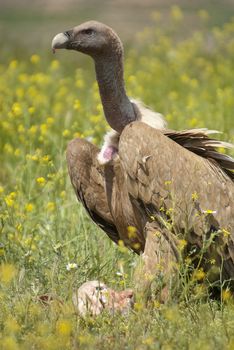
<point>44,102</point>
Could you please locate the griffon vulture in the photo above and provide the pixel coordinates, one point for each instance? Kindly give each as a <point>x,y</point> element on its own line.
<point>169,185</point>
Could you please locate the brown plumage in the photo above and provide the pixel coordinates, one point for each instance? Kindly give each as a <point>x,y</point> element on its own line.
<point>169,185</point>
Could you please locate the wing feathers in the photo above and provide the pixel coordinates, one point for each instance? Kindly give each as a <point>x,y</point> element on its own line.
<point>88,181</point>
<point>198,142</point>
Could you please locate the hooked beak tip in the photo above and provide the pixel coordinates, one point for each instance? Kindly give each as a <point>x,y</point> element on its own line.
<point>59,42</point>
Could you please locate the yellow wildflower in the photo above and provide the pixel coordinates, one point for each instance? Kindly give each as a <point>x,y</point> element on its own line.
<point>167,183</point>
<point>122,247</point>
<point>199,290</point>
<point>148,341</point>
<point>10,199</point>
<point>198,275</point>
<point>169,117</point>
<point>225,232</point>
<point>138,306</point>
<point>50,120</point>
<point>99,108</point>
<point>51,176</point>
<point>55,65</point>
<point>43,128</point>
<point>176,13</point>
<point>13,195</point>
<point>203,14</point>
<point>64,327</point>
<point>135,246</point>
<point>209,211</point>
<point>157,234</point>
<point>131,232</point>
<point>50,206</point>
<point>19,227</point>
<point>170,314</point>
<point>156,304</point>
<point>2,250</point>
<point>95,119</point>
<point>23,77</point>
<point>193,122</point>
<point>17,109</point>
<point>13,64</point>
<point>29,207</point>
<point>34,157</point>
<point>226,295</point>
<point>80,83</point>
<point>41,181</point>
<point>63,194</point>
<point>21,128</point>
<point>20,93</point>
<point>7,273</point>
<point>11,325</point>
<point>35,59</point>
<point>182,244</point>
<point>194,196</point>
<point>77,104</point>
<point>76,134</point>
<point>6,125</point>
<point>31,110</point>
<point>9,343</point>
<point>66,133</point>
<point>17,152</point>
<point>45,158</point>
<point>33,130</point>
<point>156,15</point>
<point>121,243</point>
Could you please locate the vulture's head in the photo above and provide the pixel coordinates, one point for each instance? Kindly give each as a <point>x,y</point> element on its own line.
<point>92,38</point>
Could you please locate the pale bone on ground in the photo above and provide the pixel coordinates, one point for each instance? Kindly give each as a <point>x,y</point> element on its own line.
<point>93,297</point>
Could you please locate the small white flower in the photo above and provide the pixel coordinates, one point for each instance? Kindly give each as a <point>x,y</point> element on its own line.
<point>133,263</point>
<point>119,273</point>
<point>71,266</point>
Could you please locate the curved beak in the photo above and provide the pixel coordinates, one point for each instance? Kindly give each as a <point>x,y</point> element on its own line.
<point>60,41</point>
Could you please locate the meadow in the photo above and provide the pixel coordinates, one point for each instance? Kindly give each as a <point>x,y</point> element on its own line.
<point>47,242</point>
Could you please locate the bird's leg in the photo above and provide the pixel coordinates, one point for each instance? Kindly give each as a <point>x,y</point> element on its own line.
<point>158,264</point>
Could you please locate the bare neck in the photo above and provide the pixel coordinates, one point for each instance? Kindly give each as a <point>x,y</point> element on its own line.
<point>117,107</point>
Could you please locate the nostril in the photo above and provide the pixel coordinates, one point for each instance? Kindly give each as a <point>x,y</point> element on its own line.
<point>67,33</point>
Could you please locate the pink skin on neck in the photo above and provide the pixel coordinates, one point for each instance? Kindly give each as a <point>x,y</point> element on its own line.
<point>109,153</point>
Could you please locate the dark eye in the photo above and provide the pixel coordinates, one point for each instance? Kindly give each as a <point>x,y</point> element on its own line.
<point>88,31</point>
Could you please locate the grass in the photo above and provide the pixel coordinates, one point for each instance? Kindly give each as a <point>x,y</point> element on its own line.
<point>43,104</point>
